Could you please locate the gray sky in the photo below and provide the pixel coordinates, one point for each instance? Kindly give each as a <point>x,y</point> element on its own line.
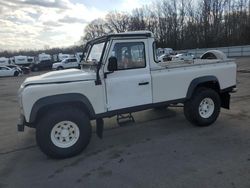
<point>33,24</point>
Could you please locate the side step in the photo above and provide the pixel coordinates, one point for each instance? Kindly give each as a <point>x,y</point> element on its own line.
<point>124,118</point>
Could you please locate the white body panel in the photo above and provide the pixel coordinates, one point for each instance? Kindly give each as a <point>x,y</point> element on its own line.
<point>120,89</point>
<point>123,87</point>
<point>87,87</point>
<point>181,77</point>
<point>124,91</point>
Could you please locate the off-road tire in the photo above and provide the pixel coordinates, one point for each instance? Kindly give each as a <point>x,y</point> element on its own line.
<point>46,124</point>
<point>191,107</point>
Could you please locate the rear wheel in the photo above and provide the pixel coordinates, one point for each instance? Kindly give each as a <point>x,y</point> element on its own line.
<point>203,108</point>
<point>63,133</point>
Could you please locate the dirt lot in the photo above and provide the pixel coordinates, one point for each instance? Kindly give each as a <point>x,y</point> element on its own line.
<point>161,149</point>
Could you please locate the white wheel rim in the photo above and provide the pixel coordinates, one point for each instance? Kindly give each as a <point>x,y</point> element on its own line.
<point>206,108</point>
<point>65,134</point>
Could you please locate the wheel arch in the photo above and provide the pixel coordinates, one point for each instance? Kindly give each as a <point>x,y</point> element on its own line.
<point>72,99</point>
<point>204,81</point>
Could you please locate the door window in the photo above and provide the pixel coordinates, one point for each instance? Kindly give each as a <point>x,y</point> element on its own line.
<point>130,55</point>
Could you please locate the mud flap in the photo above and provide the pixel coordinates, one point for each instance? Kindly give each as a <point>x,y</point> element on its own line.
<point>225,100</point>
<point>99,127</point>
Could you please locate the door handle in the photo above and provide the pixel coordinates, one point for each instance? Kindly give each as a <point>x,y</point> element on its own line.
<point>143,83</point>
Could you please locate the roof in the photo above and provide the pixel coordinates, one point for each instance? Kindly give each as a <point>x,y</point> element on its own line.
<point>146,34</point>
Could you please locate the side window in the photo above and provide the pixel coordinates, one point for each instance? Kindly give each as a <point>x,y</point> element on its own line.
<point>130,55</point>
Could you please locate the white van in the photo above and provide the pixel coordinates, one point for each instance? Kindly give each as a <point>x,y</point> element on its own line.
<point>44,56</point>
<point>21,60</point>
<point>4,61</point>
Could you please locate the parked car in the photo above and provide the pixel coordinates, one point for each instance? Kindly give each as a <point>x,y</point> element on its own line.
<point>124,79</point>
<point>16,68</point>
<point>26,70</point>
<point>7,71</point>
<point>164,57</point>
<point>42,65</point>
<point>66,64</point>
<point>183,56</point>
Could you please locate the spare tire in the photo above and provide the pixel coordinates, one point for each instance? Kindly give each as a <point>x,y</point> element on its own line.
<point>214,54</point>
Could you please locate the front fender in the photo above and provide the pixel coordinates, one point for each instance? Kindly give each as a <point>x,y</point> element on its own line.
<point>69,98</point>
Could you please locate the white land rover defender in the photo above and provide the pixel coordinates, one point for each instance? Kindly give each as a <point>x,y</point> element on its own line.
<point>120,74</point>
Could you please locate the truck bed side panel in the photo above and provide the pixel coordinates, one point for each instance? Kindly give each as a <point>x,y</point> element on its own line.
<point>173,83</point>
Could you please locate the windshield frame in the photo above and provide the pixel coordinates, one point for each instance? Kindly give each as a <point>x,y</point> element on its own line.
<point>90,50</point>
<point>88,47</point>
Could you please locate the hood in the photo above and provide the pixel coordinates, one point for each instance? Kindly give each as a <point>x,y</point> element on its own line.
<point>69,75</point>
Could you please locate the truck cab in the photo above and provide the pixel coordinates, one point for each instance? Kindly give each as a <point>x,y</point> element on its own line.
<point>119,74</point>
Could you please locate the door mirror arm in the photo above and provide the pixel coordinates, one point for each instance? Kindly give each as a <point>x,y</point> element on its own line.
<point>107,73</point>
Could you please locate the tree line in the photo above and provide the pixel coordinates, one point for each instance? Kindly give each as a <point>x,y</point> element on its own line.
<point>182,24</point>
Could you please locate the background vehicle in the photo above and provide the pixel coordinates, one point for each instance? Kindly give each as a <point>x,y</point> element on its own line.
<point>66,64</point>
<point>4,61</point>
<point>119,75</point>
<point>43,57</point>
<point>42,65</point>
<point>164,51</point>
<point>30,59</point>
<point>21,69</point>
<point>184,56</point>
<point>62,56</point>
<point>15,67</point>
<point>6,71</point>
<point>21,60</point>
<point>165,57</point>
<point>25,70</point>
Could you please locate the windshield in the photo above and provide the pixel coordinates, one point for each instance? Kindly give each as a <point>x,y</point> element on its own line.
<point>95,52</point>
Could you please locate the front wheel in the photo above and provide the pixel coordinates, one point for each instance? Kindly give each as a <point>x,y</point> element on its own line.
<point>203,108</point>
<point>63,133</point>
<point>60,68</point>
<point>16,73</point>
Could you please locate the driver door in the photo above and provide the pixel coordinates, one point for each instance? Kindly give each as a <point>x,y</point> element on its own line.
<point>130,85</point>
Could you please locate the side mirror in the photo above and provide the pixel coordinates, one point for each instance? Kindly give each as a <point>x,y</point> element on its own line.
<point>112,64</point>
